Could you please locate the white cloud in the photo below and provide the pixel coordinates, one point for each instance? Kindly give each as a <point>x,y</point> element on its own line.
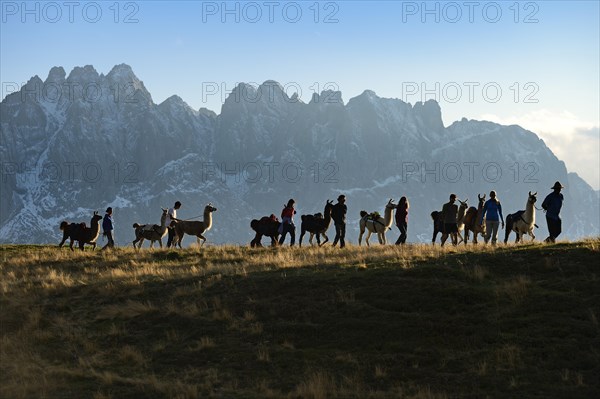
<point>575,141</point>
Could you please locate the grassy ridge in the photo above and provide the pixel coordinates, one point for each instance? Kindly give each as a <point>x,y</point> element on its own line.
<point>414,322</point>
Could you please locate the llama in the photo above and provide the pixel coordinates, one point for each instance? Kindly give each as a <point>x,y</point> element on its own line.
<point>150,232</point>
<point>80,233</point>
<point>462,208</point>
<point>317,224</point>
<point>265,226</point>
<point>471,221</point>
<point>522,222</point>
<point>194,227</point>
<point>374,223</point>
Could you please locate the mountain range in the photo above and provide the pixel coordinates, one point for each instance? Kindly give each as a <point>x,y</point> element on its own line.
<point>71,145</point>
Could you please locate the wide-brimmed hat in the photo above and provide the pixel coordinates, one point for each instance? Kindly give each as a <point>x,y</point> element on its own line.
<point>108,210</point>
<point>557,185</point>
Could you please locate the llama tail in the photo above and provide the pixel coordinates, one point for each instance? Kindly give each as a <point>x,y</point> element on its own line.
<point>135,225</point>
<point>64,225</point>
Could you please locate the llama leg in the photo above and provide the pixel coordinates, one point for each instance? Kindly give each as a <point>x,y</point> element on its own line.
<point>444,238</point>
<point>203,239</point>
<point>160,243</point>
<point>65,236</point>
<point>318,239</point>
<point>326,239</point>
<point>93,246</point>
<point>360,236</point>
<point>368,236</point>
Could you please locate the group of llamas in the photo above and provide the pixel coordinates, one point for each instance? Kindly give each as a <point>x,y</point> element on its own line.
<point>152,232</point>
<point>521,222</point>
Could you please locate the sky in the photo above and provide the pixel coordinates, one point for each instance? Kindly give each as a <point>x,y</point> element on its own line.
<point>535,64</point>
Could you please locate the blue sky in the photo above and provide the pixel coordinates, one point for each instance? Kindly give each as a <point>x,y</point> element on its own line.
<point>547,52</point>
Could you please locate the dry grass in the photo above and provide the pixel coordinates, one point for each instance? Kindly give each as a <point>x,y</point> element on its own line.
<point>516,289</point>
<point>315,322</point>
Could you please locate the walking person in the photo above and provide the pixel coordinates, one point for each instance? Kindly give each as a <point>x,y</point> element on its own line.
<point>108,226</point>
<point>552,205</point>
<point>338,214</point>
<point>492,212</point>
<point>402,219</point>
<point>287,223</point>
<point>449,218</point>
<point>171,216</point>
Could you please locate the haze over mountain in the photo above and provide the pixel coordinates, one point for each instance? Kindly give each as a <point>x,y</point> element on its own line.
<point>74,144</point>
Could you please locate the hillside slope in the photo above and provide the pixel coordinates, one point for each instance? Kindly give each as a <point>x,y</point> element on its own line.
<point>414,322</point>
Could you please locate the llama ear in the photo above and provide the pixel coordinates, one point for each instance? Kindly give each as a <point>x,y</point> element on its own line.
<point>535,193</point>
<point>530,193</point>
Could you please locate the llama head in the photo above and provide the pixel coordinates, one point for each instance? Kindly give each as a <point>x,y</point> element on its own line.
<point>532,197</point>
<point>463,204</point>
<point>210,208</point>
<point>390,204</point>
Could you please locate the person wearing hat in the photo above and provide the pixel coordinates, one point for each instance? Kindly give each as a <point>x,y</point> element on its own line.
<point>492,212</point>
<point>551,205</point>
<point>449,218</point>
<point>402,219</point>
<point>338,214</point>
<point>171,217</point>
<point>108,226</point>
<point>287,223</point>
